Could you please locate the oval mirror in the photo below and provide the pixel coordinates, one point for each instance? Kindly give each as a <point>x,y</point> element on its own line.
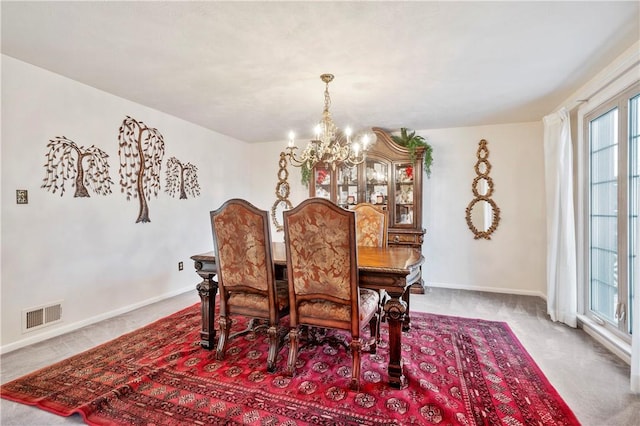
<point>283,173</point>
<point>482,217</point>
<point>482,186</point>
<point>283,190</point>
<point>483,167</point>
<point>483,152</point>
<point>276,213</point>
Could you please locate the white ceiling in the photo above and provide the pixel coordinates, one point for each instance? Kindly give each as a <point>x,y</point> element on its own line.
<point>251,70</point>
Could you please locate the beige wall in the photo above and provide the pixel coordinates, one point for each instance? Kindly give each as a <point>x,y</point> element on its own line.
<point>513,261</point>
<point>88,252</point>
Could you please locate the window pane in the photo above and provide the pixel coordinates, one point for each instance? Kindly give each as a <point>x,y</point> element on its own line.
<point>603,157</point>
<point>634,191</point>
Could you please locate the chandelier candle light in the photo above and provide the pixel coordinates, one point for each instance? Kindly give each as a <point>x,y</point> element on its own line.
<point>330,146</point>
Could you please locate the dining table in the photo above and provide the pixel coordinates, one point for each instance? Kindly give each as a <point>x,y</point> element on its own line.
<point>390,270</point>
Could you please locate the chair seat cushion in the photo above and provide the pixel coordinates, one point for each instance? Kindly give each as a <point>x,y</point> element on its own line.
<point>369,300</point>
<point>259,302</point>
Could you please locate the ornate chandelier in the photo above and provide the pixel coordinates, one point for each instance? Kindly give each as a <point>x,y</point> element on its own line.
<point>330,145</point>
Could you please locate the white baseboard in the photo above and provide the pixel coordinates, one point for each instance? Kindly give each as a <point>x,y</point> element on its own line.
<point>487,289</point>
<point>79,324</point>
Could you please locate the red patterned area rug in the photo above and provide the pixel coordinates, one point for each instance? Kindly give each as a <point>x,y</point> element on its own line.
<point>460,371</point>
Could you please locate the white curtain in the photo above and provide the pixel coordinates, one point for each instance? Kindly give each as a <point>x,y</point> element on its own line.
<point>635,326</point>
<point>562,298</point>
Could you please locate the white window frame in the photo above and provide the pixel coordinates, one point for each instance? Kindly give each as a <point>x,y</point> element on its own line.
<point>609,89</point>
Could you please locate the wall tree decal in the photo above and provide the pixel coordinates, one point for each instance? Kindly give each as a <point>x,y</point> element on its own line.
<point>181,179</point>
<point>141,149</point>
<point>82,166</point>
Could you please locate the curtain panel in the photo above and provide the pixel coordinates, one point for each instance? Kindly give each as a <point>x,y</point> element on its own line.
<point>562,289</point>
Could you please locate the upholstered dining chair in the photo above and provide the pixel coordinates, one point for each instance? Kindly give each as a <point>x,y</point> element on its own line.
<point>246,277</point>
<point>372,229</point>
<point>371,225</point>
<point>322,269</point>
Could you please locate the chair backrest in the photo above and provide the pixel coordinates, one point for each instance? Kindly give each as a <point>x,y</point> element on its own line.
<point>322,265</point>
<point>243,246</point>
<point>371,225</point>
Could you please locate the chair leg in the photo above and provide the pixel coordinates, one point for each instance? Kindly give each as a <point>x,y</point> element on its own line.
<point>273,348</point>
<point>253,325</point>
<point>374,328</point>
<point>225,325</point>
<point>356,346</point>
<point>384,296</point>
<point>293,351</point>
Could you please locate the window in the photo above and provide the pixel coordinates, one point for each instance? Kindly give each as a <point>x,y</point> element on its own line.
<point>613,188</point>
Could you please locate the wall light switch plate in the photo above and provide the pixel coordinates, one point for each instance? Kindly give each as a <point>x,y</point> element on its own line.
<point>22,196</point>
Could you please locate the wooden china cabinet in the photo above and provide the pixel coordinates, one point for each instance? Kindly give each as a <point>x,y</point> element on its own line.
<point>387,178</point>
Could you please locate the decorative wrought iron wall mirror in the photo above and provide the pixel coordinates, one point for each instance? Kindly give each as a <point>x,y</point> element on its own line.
<point>282,202</point>
<point>482,214</point>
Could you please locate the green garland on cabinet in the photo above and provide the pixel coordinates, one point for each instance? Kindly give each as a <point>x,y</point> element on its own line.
<point>411,141</point>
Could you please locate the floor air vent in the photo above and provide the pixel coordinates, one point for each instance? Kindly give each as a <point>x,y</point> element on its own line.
<point>41,316</point>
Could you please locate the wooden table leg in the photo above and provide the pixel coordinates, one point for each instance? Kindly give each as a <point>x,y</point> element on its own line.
<point>208,290</point>
<point>406,323</point>
<point>395,309</point>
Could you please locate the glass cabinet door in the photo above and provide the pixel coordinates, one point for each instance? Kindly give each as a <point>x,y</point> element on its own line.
<point>377,183</point>
<point>404,190</point>
<point>322,182</point>
<point>347,186</point>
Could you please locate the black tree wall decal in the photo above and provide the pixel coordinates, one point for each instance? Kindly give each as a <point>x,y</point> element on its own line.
<point>182,179</point>
<point>82,166</point>
<point>141,150</point>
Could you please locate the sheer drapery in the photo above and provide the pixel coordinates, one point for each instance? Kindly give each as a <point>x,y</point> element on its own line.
<point>635,326</point>
<point>561,250</point>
